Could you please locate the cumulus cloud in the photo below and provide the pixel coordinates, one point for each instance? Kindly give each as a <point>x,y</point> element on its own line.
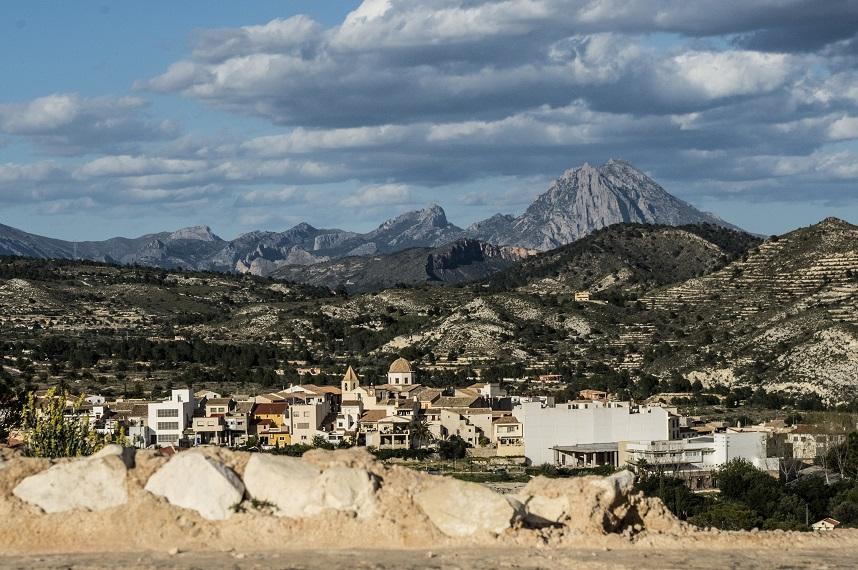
<point>381,195</point>
<point>66,123</point>
<point>404,97</point>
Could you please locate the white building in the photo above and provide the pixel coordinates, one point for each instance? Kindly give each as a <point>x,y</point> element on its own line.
<point>696,458</point>
<point>593,427</point>
<point>168,420</point>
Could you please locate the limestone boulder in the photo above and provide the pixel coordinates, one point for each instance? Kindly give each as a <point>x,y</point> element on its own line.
<point>588,504</point>
<point>459,508</point>
<point>297,488</point>
<point>192,481</point>
<point>288,483</point>
<point>349,489</point>
<point>90,484</point>
<point>126,454</point>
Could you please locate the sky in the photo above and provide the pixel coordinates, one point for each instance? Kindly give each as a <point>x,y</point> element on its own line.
<point>126,118</point>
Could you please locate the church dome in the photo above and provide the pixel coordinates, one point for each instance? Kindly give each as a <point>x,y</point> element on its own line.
<point>400,366</point>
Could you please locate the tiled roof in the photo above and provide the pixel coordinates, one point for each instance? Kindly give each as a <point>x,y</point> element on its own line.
<point>373,415</point>
<point>273,408</point>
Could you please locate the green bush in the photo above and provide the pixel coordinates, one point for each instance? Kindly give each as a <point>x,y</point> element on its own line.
<point>52,430</point>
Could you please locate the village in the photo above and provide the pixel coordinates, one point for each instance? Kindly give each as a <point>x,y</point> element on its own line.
<point>402,417</point>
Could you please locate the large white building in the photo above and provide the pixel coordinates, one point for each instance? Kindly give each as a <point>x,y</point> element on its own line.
<point>696,458</point>
<point>586,433</point>
<point>168,420</point>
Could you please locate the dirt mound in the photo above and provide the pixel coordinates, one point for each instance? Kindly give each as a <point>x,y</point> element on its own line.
<point>590,508</point>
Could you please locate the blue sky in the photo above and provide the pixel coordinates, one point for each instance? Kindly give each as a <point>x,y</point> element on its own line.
<point>122,118</point>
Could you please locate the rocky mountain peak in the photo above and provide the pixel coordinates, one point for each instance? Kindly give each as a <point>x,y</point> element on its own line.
<point>200,233</point>
<point>588,198</point>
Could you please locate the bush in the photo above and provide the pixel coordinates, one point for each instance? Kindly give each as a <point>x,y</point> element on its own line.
<point>453,448</point>
<point>51,432</point>
<point>727,516</point>
<point>417,454</point>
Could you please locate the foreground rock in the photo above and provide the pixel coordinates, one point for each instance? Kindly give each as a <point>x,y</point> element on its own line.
<point>192,481</point>
<point>288,483</point>
<point>596,505</point>
<point>298,489</point>
<point>459,508</point>
<point>92,484</point>
<point>340,498</point>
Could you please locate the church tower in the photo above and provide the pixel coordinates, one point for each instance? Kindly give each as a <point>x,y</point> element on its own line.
<point>400,373</point>
<point>350,381</point>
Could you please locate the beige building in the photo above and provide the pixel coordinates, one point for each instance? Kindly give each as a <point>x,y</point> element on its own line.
<point>508,436</point>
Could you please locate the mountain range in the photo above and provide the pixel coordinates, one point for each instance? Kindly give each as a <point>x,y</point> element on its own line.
<point>576,204</point>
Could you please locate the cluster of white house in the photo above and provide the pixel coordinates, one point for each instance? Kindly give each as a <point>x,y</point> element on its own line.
<point>403,414</point>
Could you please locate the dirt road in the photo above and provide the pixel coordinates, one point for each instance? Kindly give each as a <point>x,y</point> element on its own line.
<point>472,558</point>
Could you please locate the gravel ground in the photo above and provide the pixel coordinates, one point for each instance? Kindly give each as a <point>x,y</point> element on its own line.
<point>472,558</point>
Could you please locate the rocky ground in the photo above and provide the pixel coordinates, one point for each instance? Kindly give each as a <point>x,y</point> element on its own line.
<point>214,508</point>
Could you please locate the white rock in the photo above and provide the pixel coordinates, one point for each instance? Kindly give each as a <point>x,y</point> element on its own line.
<point>126,454</point>
<point>349,489</point>
<point>299,489</point>
<point>93,484</point>
<point>192,481</point>
<point>288,483</point>
<point>617,485</point>
<point>459,508</point>
<point>544,510</point>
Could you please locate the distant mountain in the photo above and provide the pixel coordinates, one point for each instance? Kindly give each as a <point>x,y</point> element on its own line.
<point>259,253</point>
<point>458,262</point>
<point>586,199</point>
<point>578,203</point>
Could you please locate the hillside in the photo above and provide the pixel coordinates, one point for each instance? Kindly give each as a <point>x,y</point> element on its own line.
<point>629,257</point>
<point>785,315</point>
<point>667,305</point>
<point>461,261</point>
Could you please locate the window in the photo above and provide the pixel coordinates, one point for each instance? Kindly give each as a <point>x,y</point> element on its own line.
<point>168,425</point>
<point>168,413</point>
<point>168,438</point>
<point>304,425</point>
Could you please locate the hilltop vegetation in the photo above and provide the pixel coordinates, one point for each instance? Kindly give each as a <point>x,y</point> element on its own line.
<point>671,308</point>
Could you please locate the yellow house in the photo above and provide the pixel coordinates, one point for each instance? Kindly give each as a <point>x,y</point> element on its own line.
<point>272,424</point>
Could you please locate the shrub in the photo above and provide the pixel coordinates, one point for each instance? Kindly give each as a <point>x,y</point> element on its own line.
<point>51,432</point>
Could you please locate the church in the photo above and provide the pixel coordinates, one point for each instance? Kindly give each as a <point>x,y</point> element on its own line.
<point>384,409</point>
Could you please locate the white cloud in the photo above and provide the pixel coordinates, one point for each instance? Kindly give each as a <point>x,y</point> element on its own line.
<point>66,123</point>
<point>844,128</point>
<point>125,165</point>
<point>381,195</point>
<point>717,75</point>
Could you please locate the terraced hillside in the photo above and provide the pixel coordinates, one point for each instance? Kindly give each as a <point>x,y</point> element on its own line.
<point>787,311</point>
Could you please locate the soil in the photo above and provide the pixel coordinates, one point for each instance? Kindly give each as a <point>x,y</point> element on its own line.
<point>148,532</point>
<point>639,558</point>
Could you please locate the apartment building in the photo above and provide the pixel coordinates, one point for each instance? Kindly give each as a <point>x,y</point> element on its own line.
<point>589,430</point>
<point>696,459</point>
<point>168,420</point>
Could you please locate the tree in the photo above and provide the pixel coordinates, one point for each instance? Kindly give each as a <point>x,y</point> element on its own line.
<point>51,432</point>
<point>453,448</point>
<point>321,442</point>
<point>421,433</point>
<point>727,516</point>
<point>11,403</point>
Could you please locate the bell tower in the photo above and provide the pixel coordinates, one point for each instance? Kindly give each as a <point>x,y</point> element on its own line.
<point>350,381</point>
